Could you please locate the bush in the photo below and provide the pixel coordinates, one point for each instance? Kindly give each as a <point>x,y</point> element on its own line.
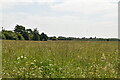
<point>20,37</point>
<point>10,35</point>
<point>43,37</point>
<point>2,36</point>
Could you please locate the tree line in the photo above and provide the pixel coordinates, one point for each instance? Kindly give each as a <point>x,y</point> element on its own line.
<point>83,38</point>
<point>21,33</point>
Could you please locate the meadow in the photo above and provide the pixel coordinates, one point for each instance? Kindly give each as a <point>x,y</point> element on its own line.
<point>59,59</point>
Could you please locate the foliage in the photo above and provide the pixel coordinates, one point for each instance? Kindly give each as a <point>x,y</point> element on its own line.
<point>61,38</point>
<point>36,35</point>
<point>20,33</point>
<point>52,38</point>
<point>60,59</point>
<point>10,35</point>
<point>30,33</point>
<point>43,37</point>
<point>2,36</point>
<point>20,29</point>
<point>20,37</point>
<point>26,35</point>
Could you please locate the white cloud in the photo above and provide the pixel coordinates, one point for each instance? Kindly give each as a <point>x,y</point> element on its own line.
<point>86,7</point>
<point>27,0</point>
<point>12,3</point>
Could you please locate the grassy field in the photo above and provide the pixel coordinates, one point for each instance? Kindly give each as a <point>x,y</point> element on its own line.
<point>59,59</point>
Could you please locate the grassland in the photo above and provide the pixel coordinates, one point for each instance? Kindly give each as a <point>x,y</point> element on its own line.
<point>59,59</point>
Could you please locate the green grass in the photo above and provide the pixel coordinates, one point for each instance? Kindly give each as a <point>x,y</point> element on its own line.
<point>59,59</point>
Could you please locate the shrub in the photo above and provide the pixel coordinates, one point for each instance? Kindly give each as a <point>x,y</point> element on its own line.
<point>20,37</point>
<point>10,35</point>
<point>2,36</point>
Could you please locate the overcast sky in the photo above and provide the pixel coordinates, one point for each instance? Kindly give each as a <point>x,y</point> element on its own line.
<point>73,18</point>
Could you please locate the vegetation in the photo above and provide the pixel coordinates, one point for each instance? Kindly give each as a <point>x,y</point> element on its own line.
<point>10,35</point>
<point>21,33</point>
<point>60,59</point>
<point>57,57</point>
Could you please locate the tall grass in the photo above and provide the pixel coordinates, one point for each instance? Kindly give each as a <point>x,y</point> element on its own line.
<point>59,59</point>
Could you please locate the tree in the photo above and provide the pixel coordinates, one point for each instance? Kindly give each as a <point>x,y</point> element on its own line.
<point>61,38</point>
<point>53,38</point>
<point>20,29</point>
<point>10,35</point>
<point>30,33</point>
<point>90,37</point>
<point>36,35</point>
<point>20,33</point>
<point>43,37</point>
<point>25,35</point>
<point>2,36</point>
<point>20,37</point>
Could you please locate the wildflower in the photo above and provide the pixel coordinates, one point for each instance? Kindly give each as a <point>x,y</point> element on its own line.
<point>41,71</point>
<point>21,56</point>
<point>68,72</point>
<point>34,60</point>
<point>32,63</point>
<point>13,70</point>
<point>33,74</point>
<point>50,64</point>
<point>18,58</point>
<point>103,57</point>
<point>23,68</point>
<point>63,77</point>
<point>25,57</point>
<point>91,73</point>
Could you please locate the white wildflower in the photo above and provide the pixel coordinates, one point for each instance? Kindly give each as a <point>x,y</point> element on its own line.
<point>18,58</point>
<point>50,64</point>
<point>32,63</point>
<point>25,57</point>
<point>34,60</point>
<point>21,56</point>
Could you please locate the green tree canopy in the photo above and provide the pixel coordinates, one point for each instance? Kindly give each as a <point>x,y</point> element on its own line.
<point>20,37</point>
<point>20,29</point>
<point>10,35</point>
<point>36,35</point>
<point>2,36</point>
<point>43,37</point>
